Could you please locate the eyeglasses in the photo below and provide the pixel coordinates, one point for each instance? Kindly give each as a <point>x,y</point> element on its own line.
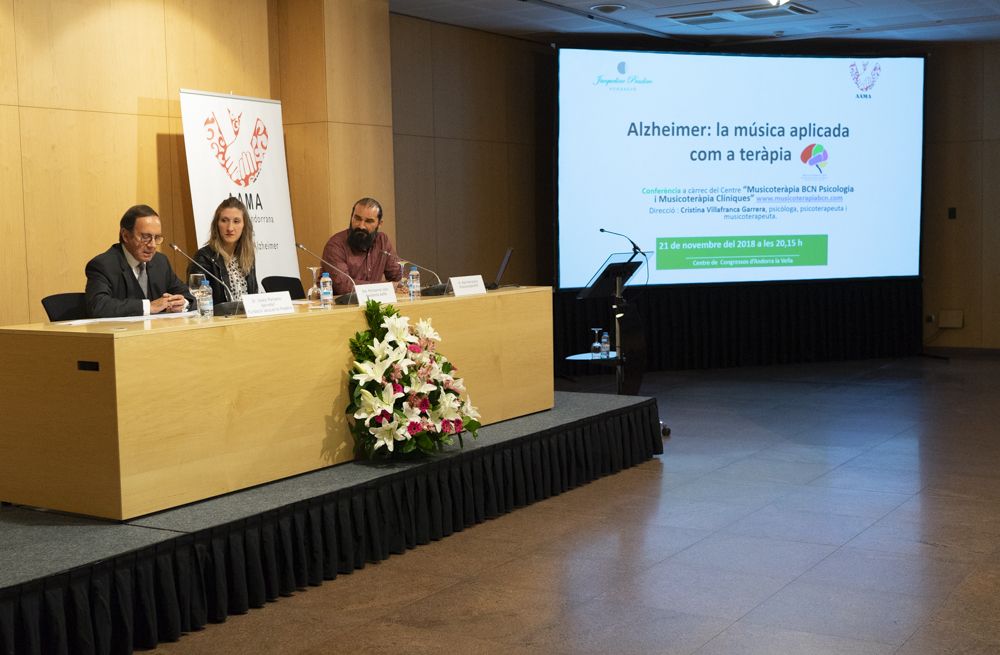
<point>146,239</point>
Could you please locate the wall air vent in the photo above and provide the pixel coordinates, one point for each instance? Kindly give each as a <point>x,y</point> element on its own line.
<point>739,14</point>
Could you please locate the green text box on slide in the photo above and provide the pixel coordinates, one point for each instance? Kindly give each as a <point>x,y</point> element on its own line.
<point>741,252</point>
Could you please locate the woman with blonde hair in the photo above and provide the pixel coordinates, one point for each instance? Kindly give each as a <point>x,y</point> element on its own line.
<point>229,254</point>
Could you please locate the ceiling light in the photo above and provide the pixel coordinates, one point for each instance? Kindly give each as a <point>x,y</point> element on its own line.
<point>777,3</point>
<point>611,8</point>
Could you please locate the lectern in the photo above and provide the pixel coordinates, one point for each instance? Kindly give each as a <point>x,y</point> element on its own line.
<point>609,282</point>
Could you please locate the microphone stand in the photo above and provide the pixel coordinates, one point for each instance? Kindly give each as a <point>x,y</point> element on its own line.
<point>350,298</point>
<point>436,290</point>
<point>618,308</point>
<point>227,308</point>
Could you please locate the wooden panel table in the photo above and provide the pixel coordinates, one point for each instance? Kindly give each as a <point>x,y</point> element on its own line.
<point>183,409</point>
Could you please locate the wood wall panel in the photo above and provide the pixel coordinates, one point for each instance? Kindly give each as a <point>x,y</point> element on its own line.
<point>465,132</point>
<point>528,229</point>
<point>302,63</point>
<point>88,167</point>
<point>13,271</point>
<point>357,62</point>
<point>177,214</point>
<point>198,59</point>
<point>472,203</point>
<point>952,258</point>
<point>360,165</point>
<point>522,90</point>
<point>991,93</point>
<point>8,67</point>
<point>309,186</point>
<point>990,242</point>
<point>412,76</point>
<point>91,56</point>
<point>470,99</point>
<point>954,82</point>
<point>416,224</point>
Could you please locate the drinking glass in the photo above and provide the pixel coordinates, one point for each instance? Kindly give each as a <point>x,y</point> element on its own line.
<point>595,348</point>
<point>194,283</point>
<point>313,293</point>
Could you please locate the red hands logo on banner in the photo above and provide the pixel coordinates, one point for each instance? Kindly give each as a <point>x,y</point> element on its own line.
<point>240,154</point>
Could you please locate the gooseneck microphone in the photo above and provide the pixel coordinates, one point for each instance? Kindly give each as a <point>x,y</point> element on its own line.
<point>351,297</point>
<point>636,250</point>
<point>435,290</point>
<point>222,309</point>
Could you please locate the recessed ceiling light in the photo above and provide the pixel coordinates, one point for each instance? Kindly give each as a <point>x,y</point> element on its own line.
<point>607,8</point>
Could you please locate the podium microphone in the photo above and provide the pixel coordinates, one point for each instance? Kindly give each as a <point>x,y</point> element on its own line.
<point>223,308</point>
<point>345,299</point>
<point>434,290</point>
<point>636,250</point>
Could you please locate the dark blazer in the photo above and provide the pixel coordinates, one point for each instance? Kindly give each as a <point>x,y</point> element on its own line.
<point>112,289</point>
<point>216,265</point>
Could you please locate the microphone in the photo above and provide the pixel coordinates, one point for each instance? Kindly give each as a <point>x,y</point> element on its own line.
<point>636,250</point>
<point>223,308</point>
<point>434,290</point>
<point>347,298</point>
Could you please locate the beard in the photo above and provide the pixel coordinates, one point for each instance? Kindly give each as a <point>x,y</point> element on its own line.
<point>360,240</point>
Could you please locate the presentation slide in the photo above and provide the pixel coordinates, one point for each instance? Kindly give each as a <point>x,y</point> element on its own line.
<point>733,168</point>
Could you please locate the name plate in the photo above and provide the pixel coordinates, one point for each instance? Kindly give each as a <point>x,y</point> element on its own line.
<point>384,292</point>
<point>268,304</point>
<point>468,285</point>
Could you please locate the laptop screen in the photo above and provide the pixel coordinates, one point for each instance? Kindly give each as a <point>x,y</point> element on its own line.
<point>503,267</point>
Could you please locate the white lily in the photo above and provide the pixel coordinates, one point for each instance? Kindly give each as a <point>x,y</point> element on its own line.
<point>425,331</point>
<point>374,404</point>
<point>388,434</point>
<point>449,406</point>
<point>400,356</point>
<point>371,371</point>
<point>411,413</point>
<point>398,329</point>
<point>419,386</point>
<point>382,349</point>
<point>469,410</point>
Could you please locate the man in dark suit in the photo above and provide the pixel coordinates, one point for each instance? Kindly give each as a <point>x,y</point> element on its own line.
<point>131,278</point>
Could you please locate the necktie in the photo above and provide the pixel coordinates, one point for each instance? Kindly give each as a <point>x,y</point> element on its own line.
<point>143,279</point>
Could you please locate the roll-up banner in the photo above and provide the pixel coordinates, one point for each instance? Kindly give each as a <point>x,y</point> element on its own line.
<point>236,147</point>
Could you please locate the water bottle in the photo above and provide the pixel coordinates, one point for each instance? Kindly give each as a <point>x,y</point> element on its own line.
<point>413,283</point>
<point>605,346</point>
<point>326,291</point>
<point>206,303</point>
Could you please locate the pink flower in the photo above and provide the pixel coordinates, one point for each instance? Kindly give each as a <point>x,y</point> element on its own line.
<point>447,427</point>
<point>414,427</point>
<point>382,417</point>
<point>396,374</point>
<point>414,348</point>
<point>397,388</point>
<point>457,424</point>
<point>425,404</point>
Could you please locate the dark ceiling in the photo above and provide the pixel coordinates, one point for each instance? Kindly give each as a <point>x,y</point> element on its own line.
<point>720,22</point>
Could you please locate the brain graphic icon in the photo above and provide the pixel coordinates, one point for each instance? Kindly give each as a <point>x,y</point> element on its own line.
<point>815,155</point>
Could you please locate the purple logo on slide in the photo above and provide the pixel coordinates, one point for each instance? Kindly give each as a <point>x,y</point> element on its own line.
<point>865,76</point>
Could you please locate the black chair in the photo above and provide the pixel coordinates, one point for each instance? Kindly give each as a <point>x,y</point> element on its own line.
<point>65,306</point>
<point>292,285</point>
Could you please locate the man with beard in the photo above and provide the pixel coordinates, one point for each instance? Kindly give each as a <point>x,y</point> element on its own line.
<point>362,249</point>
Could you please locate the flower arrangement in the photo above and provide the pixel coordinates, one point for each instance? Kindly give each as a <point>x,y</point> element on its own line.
<point>403,390</point>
